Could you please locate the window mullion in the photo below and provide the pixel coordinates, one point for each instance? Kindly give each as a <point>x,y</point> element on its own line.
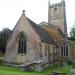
<point>65,50</point>
<point>22,45</point>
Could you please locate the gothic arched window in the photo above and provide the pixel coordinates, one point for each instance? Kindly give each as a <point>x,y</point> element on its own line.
<point>22,44</point>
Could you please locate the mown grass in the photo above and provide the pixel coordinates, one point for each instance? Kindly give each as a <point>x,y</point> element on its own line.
<point>8,70</point>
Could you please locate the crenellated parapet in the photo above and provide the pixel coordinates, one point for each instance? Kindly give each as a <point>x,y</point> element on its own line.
<point>58,4</point>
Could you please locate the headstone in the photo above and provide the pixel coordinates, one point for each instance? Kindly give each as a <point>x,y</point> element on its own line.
<point>73,69</point>
<point>65,63</point>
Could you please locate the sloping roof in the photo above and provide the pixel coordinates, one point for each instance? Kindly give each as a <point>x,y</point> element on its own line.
<point>55,33</point>
<point>45,37</point>
<point>54,28</point>
<point>50,25</point>
<point>43,23</point>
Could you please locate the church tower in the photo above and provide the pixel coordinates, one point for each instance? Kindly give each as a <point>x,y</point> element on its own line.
<point>57,15</point>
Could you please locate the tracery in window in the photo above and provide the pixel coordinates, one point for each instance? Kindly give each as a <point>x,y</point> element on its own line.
<point>22,44</point>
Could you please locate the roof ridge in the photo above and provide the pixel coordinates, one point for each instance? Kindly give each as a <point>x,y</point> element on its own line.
<point>42,33</point>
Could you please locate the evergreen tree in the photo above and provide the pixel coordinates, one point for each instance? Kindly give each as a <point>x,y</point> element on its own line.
<point>72,34</point>
<point>4,35</point>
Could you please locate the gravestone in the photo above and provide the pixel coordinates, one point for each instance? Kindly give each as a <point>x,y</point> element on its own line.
<point>73,69</point>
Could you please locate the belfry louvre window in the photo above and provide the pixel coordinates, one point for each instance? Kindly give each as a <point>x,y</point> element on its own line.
<point>22,44</point>
<point>64,50</point>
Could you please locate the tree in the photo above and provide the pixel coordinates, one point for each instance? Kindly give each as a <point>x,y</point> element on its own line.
<point>4,35</point>
<point>72,34</point>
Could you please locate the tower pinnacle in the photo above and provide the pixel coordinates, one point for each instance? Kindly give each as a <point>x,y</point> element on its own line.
<point>49,14</point>
<point>49,2</point>
<point>63,1</point>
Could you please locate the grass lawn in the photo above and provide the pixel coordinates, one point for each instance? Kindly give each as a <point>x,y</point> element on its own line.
<point>7,70</point>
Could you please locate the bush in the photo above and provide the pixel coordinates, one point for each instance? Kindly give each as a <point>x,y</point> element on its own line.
<point>1,58</point>
<point>1,61</point>
<point>69,62</point>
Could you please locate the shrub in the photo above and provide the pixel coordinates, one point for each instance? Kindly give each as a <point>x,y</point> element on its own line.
<point>1,58</point>
<point>1,61</point>
<point>69,62</point>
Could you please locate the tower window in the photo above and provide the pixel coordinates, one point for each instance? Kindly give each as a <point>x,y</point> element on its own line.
<point>55,10</point>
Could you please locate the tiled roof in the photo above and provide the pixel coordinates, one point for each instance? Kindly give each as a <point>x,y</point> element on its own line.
<point>45,37</point>
<point>55,33</point>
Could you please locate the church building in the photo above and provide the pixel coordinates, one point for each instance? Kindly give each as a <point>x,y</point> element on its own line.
<point>38,46</point>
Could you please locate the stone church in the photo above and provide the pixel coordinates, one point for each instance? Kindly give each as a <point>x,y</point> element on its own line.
<point>38,46</point>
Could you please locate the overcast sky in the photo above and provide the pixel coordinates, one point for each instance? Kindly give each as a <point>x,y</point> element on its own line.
<point>36,10</point>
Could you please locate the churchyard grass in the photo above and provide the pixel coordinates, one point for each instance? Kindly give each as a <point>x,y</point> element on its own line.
<point>8,70</point>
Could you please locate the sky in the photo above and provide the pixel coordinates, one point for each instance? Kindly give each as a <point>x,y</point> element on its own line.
<point>36,10</point>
